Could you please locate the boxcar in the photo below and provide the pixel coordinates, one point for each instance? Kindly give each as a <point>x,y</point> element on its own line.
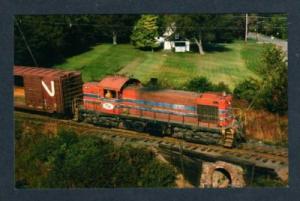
<point>45,89</point>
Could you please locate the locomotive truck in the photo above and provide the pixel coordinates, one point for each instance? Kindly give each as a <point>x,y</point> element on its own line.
<point>123,102</point>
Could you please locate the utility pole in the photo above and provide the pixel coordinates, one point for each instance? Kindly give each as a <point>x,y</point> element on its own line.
<point>246,28</point>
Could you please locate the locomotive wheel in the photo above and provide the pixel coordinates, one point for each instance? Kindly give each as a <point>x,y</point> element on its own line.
<point>139,126</point>
<point>167,130</point>
<point>135,125</point>
<point>128,125</point>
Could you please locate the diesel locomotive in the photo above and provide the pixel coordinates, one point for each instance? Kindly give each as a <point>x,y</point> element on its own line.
<point>123,102</point>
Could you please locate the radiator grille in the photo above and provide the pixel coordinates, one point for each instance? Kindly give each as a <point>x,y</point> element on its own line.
<point>207,113</point>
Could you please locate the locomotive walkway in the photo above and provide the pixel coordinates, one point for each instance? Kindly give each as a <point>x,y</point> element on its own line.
<point>249,155</point>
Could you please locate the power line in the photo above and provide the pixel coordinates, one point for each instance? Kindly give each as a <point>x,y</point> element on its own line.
<point>27,45</point>
<point>246,28</point>
<point>126,26</point>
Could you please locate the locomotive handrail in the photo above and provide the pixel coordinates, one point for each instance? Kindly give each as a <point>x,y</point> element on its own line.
<point>240,114</point>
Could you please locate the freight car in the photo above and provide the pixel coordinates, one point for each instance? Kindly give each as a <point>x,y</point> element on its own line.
<point>46,90</point>
<point>118,101</point>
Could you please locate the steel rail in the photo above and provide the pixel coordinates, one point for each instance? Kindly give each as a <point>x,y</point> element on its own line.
<point>260,156</point>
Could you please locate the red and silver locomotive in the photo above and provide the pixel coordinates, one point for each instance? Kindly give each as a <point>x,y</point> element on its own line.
<point>123,102</point>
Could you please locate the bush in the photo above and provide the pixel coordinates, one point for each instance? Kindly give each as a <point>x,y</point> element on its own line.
<point>202,84</point>
<point>246,90</point>
<point>221,86</point>
<point>69,160</point>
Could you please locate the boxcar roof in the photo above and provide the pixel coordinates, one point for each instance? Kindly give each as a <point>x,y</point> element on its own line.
<point>41,72</point>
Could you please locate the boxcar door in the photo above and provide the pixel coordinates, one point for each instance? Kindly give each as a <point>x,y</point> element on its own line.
<point>33,92</point>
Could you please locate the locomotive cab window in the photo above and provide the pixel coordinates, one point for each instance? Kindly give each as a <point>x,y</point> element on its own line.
<point>110,93</point>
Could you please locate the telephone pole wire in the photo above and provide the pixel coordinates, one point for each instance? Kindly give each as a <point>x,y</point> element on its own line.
<point>25,41</point>
<point>246,28</point>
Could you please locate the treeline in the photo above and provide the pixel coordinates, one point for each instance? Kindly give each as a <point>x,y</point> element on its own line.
<point>72,161</point>
<point>48,40</point>
<point>269,24</point>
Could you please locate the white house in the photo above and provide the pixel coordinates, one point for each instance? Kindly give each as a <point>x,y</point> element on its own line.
<point>177,45</point>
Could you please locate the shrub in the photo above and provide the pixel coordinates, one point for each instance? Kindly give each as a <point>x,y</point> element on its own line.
<point>199,84</point>
<point>69,160</point>
<point>246,90</point>
<point>221,86</point>
<point>202,84</point>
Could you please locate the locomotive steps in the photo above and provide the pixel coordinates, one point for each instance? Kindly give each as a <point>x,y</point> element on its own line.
<point>247,155</point>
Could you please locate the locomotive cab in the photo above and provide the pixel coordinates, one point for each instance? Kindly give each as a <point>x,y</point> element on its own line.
<point>105,96</point>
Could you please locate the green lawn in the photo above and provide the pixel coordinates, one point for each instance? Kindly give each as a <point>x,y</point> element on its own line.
<point>230,65</point>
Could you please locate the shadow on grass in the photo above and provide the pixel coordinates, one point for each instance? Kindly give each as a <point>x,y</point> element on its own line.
<point>210,48</point>
<point>72,53</point>
<point>215,47</point>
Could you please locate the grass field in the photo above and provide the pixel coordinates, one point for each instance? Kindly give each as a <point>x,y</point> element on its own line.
<point>230,63</point>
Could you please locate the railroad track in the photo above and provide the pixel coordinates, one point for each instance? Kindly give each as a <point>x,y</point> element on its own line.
<point>247,154</point>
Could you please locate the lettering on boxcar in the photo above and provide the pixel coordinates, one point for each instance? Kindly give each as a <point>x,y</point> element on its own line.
<point>50,92</point>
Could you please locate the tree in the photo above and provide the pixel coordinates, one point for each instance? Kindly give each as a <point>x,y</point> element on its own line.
<point>271,92</point>
<point>42,39</point>
<point>204,28</point>
<point>145,31</point>
<point>51,38</point>
<point>275,80</point>
<point>115,26</point>
<point>270,24</point>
